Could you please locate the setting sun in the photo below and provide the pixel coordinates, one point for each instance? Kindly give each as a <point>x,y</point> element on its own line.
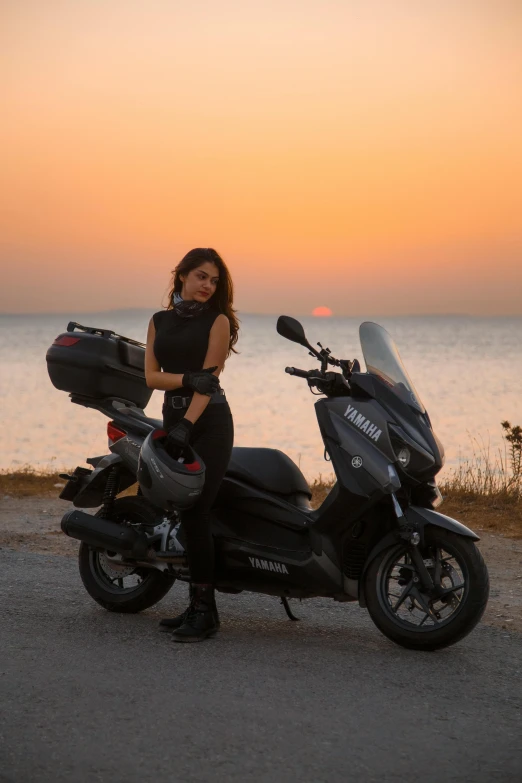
<point>322,311</point>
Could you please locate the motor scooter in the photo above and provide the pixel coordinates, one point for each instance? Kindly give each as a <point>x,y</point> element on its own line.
<point>376,539</point>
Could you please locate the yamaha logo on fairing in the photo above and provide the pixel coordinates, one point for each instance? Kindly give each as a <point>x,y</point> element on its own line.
<point>362,423</point>
<point>268,565</point>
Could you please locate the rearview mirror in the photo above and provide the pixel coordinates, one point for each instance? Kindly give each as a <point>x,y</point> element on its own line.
<point>291,329</point>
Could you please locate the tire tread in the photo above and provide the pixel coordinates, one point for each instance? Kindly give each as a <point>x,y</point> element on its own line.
<point>468,616</point>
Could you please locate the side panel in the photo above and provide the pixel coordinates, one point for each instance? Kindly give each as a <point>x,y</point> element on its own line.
<point>364,474</point>
<point>128,448</point>
<point>253,515</point>
<point>263,544</point>
<point>300,574</point>
<point>364,417</point>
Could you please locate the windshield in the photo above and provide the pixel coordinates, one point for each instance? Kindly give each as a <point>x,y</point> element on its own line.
<point>383,360</point>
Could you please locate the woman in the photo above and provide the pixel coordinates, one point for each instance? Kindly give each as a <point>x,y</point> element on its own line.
<point>187,345</point>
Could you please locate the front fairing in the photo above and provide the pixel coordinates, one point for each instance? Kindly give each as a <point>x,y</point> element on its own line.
<point>383,416</point>
<point>369,431</point>
<point>356,437</point>
<point>408,427</point>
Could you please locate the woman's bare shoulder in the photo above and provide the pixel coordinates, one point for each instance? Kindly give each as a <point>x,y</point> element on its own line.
<point>223,318</point>
<point>221,322</point>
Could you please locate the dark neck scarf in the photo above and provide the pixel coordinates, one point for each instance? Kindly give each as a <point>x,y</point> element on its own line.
<point>188,308</point>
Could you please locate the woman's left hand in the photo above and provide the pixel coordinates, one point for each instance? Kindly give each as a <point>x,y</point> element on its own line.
<point>179,435</point>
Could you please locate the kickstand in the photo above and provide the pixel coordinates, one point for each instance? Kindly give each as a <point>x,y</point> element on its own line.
<point>289,612</point>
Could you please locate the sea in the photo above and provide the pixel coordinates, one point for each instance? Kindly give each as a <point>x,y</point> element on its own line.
<point>467,371</point>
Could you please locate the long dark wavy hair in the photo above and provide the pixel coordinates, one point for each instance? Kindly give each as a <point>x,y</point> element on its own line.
<point>222,298</point>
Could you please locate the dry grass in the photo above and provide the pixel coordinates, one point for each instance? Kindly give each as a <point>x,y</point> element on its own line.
<point>320,488</point>
<point>29,481</point>
<point>485,490</point>
<point>495,514</point>
<point>32,482</point>
<point>493,475</point>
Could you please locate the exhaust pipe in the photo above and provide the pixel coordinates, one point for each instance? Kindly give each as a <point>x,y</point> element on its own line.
<point>104,534</point>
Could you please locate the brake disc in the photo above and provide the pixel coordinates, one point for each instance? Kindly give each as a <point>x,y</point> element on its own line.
<point>113,567</point>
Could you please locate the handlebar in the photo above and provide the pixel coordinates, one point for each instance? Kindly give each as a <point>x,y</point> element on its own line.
<point>332,384</point>
<point>299,373</point>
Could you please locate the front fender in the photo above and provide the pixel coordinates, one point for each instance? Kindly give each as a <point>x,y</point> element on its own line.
<point>420,518</point>
<point>416,515</point>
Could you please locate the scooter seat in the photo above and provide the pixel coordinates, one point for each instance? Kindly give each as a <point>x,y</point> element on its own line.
<point>267,469</point>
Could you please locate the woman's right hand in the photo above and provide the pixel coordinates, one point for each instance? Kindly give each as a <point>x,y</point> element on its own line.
<point>202,381</point>
<point>179,436</point>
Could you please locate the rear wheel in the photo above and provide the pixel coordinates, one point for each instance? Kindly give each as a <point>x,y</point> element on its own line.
<point>118,587</point>
<point>428,620</point>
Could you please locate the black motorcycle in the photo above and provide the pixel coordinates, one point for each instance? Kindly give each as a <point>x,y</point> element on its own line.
<point>375,539</point>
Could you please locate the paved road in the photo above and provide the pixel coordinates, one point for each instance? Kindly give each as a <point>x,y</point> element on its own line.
<point>90,696</point>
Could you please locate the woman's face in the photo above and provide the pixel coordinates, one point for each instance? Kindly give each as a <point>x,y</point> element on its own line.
<point>200,283</point>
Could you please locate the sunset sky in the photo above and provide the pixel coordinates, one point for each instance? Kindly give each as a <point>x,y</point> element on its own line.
<point>363,155</point>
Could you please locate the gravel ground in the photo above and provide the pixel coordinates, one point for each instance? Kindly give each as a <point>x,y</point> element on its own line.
<point>86,695</point>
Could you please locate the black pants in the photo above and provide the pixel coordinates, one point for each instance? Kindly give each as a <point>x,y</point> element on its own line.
<point>212,439</point>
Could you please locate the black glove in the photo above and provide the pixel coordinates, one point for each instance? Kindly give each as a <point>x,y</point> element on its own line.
<point>202,381</point>
<point>179,436</point>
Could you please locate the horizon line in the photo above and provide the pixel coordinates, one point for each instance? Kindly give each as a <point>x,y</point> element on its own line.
<point>69,313</point>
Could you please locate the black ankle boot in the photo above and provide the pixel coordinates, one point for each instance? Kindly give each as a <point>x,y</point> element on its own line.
<point>200,621</point>
<point>171,623</point>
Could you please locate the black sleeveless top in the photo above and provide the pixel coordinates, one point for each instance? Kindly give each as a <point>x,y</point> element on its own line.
<point>181,343</point>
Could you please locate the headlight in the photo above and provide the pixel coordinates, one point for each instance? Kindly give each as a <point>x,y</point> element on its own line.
<point>404,456</point>
<point>411,456</point>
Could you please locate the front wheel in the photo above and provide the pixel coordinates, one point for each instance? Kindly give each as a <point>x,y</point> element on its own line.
<point>428,620</point>
<point>118,587</point>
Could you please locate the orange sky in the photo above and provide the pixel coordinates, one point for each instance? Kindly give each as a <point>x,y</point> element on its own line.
<point>358,154</point>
